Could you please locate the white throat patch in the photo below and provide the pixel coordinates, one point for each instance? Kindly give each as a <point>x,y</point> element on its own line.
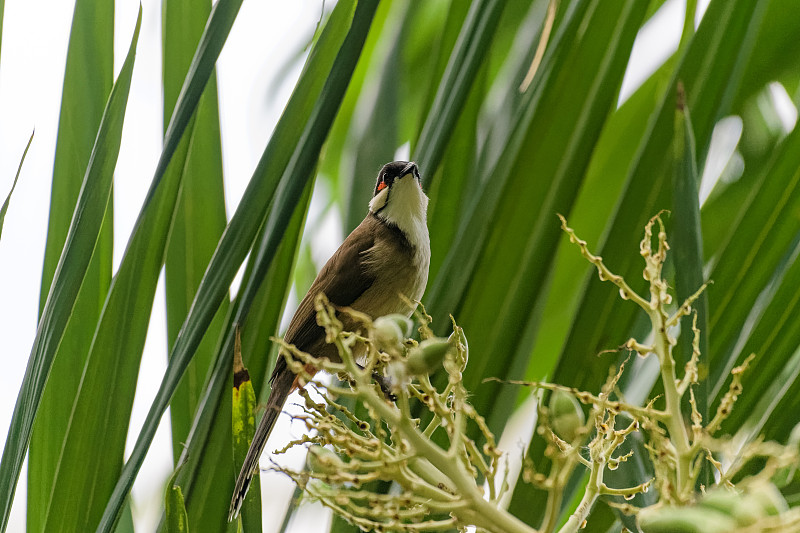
<point>406,207</point>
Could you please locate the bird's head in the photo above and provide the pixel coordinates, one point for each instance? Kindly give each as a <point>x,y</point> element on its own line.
<point>399,188</point>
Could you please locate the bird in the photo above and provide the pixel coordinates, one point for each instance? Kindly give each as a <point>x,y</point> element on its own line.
<point>379,268</point>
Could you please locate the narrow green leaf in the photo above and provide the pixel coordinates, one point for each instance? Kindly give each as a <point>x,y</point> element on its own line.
<point>125,524</point>
<point>243,429</point>
<point>596,201</point>
<point>69,274</point>
<point>88,79</point>
<point>341,139</point>
<point>467,57</point>
<point>754,417</point>
<point>758,139</point>
<point>686,244</point>
<point>91,50</point>
<point>447,34</point>
<point>418,56</point>
<point>264,317</point>
<point>239,235</point>
<point>777,49</point>
<point>688,22</point>
<point>209,445</point>
<point>556,144</point>
<point>200,217</point>
<point>214,36</point>
<point>381,128</point>
<point>773,340</point>
<point>766,326</point>
<point>294,504</point>
<point>452,189</point>
<point>13,185</point>
<point>765,231</point>
<point>515,67</point>
<point>686,241</point>
<point>654,6</point>
<point>445,291</point>
<point>98,422</point>
<point>393,116</point>
<point>603,320</point>
<point>723,208</point>
<point>780,427</point>
<point>605,179</point>
<point>175,507</point>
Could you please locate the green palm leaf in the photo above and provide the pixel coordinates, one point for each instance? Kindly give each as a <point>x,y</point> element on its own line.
<point>200,217</point>
<point>69,274</point>
<point>90,50</point>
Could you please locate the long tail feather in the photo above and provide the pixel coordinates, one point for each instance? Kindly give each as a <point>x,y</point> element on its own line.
<point>281,387</point>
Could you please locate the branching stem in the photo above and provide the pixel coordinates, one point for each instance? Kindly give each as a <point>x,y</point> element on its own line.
<point>674,417</point>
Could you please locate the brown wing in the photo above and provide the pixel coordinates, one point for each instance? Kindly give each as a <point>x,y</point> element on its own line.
<point>343,279</point>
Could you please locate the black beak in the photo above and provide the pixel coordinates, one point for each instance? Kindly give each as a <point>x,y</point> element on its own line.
<point>411,167</point>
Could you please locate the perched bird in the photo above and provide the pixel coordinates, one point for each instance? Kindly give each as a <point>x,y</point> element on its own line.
<point>385,258</point>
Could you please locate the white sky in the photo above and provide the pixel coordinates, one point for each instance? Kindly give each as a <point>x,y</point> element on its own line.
<point>35,36</point>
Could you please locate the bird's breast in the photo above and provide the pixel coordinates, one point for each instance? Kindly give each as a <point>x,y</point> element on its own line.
<point>399,269</point>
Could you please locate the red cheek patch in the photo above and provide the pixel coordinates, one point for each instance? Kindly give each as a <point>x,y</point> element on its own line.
<point>382,185</point>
